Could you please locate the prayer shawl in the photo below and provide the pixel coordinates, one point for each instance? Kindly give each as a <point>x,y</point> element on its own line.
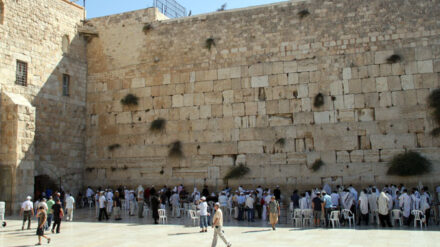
<point>415,202</point>
<point>382,203</point>
<point>347,200</point>
<point>327,189</point>
<point>405,204</point>
<point>424,202</point>
<point>363,203</point>
<point>372,201</point>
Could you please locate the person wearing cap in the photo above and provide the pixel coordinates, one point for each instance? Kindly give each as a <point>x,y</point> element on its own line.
<point>241,205</point>
<point>250,201</point>
<point>58,214</point>
<point>175,203</point>
<point>49,204</point>
<point>317,205</point>
<point>70,205</point>
<point>27,210</point>
<point>217,224</point>
<point>203,207</point>
<point>274,212</point>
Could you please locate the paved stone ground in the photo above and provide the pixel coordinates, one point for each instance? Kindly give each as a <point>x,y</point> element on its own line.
<point>88,232</point>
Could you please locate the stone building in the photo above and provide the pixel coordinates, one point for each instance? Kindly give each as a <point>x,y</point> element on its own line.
<point>234,87</point>
<point>43,72</point>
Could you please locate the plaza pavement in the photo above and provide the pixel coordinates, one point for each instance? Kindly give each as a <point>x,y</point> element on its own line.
<point>86,231</point>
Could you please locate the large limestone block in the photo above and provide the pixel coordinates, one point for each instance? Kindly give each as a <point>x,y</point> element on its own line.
<point>203,86</point>
<point>218,148</point>
<point>250,147</point>
<point>177,100</point>
<point>324,117</point>
<point>325,143</point>
<point>138,82</point>
<point>259,81</point>
<point>382,141</point>
<point>425,66</point>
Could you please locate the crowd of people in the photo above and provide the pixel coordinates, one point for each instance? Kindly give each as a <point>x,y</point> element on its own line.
<point>368,205</point>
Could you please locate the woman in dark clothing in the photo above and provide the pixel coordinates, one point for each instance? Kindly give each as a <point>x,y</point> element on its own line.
<point>57,215</point>
<point>155,202</point>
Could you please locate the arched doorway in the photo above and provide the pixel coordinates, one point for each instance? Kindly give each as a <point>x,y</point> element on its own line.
<point>43,183</point>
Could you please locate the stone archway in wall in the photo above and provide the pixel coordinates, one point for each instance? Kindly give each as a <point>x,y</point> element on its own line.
<point>43,183</point>
<point>17,131</point>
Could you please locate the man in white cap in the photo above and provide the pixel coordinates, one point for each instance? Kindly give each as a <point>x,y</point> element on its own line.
<point>217,224</point>
<point>203,207</point>
<point>27,210</point>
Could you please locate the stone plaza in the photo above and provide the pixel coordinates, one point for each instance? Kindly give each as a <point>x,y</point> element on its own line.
<point>85,231</point>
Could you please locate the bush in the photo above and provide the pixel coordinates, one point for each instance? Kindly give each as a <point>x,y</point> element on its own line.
<point>317,165</point>
<point>147,27</point>
<point>303,13</point>
<point>176,150</point>
<point>158,125</point>
<point>281,142</point>
<point>409,164</point>
<point>209,43</point>
<point>319,100</point>
<point>113,147</point>
<point>395,58</point>
<point>237,172</point>
<point>130,99</point>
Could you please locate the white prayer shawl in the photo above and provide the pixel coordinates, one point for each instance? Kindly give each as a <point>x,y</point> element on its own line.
<point>109,196</point>
<point>197,197</point>
<point>415,202</point>
<point>303,203</point>
<point>390,202</point>
<point>382,203</point>
<point>405,204</point>
<point>363,203</point>
<point>396,203</point>
<point>89,192</point>
<point>327,189</point>
<point>195,192</point>
<point>393,191</point>
<point>424,202</point>
<point>354,192</point>
<point>260,192</point>
<point>175,200</point>
<point>372,201</point>
<point>347,200</point>
<point>335,199</point>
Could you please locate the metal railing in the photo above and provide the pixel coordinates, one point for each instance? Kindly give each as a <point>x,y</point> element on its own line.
<point>170,8</point>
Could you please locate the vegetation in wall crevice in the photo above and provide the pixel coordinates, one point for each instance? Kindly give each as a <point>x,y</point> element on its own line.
<point>409,163</point>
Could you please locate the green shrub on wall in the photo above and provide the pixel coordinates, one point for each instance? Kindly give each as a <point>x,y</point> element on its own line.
<point>409,164</point>
<point>176,150</point>
<point>317,165</point>
<point>158,125</point>
<point>130,99</point>
<point>237,172</point>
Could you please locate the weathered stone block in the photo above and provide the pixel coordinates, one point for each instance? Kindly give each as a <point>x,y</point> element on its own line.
<point>260,81</point>
<point>250,147</point>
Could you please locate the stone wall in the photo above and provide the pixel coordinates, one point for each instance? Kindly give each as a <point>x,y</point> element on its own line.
<point>32,32</point>
<point>256,85</point>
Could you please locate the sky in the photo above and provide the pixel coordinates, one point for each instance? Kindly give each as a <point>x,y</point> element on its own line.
<point>97,8</point>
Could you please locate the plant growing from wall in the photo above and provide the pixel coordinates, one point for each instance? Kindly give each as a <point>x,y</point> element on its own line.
<point>395,58</point>
<point>209,43</point>
<point>113,147</point>
<point>317,165</point>
<point>409,163</point>
<point>130,99</point>
<point>176,150</point>
<point>147,28</point>
<point>281,142</point>
<point>319,100</point>
<point>237,172</point>
<point>303,13</point>
<point>222,8</point>
<point>89,169</point>
<point>434,103</point>
<point>158,125</point>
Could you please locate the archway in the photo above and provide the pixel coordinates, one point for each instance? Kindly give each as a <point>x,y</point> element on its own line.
<point>43,183</point>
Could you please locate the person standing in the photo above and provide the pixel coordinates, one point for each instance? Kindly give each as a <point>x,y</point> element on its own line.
<point>363,207</point>
<point>317,206</point>
<point>155,202</point>
<point>295,199</point>
<point>58,214</point>
<point>274,212</point>
<point>102,207</point>
<point>42,217</point>
<point>405,205</point>
<point>117,206</point>
<point>203,207</point>
<point>218,225</point>
<point>250,201</point>
<point>27,210</point>
<point>382,203</point>
<point>49,204</point>
<point>109,198</point>
<point>140,201</point>
<point>328,205</point>
<point>241,202</point>
<point>70,205</point>
<point>175,203</point>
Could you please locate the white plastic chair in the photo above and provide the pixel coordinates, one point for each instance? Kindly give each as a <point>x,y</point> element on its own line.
<point>307,216</point>
<point>297,218</point>
<point>163,216</point>
<point>194,217</point>
<point>396,214</point>
<point>348,215</point>
<point>419,216</point>
<point>334,218</point>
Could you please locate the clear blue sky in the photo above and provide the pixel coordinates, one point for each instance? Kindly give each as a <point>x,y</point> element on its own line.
<point>96,8</point>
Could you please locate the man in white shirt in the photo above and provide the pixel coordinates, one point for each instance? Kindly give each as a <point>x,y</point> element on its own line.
<point>27,210</point>
<point>70,205</point>
<point>335,199</point>
<point>405,205</point>
<point>382,204</point>
<point>102,206</point>
<point>175,203</point>
<point>203,207</point>
<point>372,203</point>
<point>303,202</point>
<point>217,224</point>
<point>223,200</point>
<point>250,207</point>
